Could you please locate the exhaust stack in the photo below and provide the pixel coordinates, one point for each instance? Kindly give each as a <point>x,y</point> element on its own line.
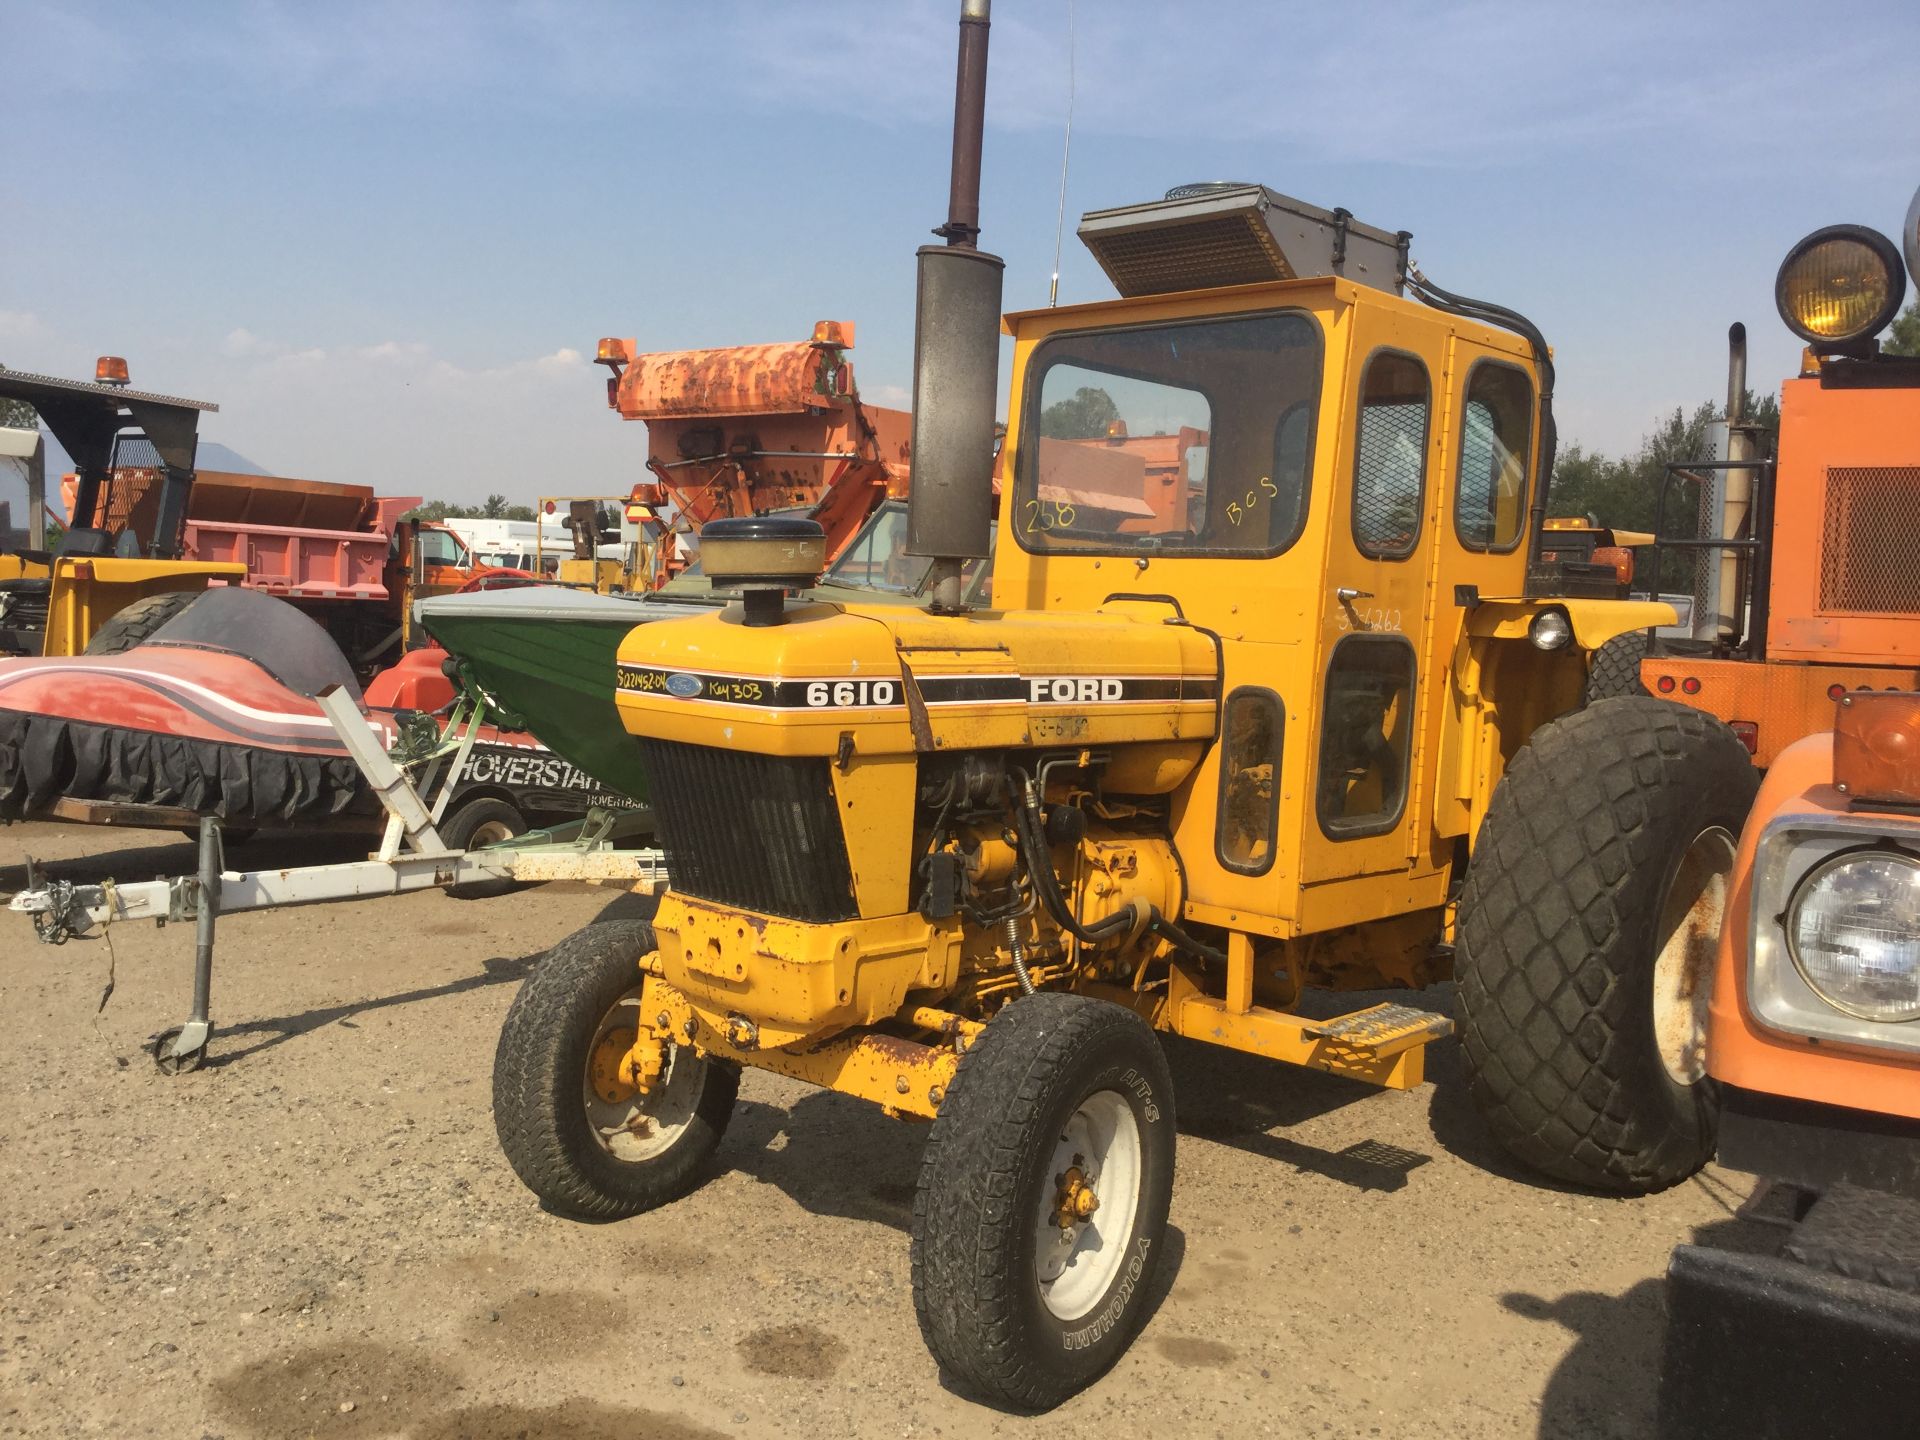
<point>956,351</point>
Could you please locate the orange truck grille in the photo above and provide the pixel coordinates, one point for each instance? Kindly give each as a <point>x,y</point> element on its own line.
<point>1868,563</point>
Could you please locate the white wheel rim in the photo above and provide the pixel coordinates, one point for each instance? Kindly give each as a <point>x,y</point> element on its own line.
<point>1075,1265</point>
<point>489,832</point>
<point>1689,940</point>
<point>641,1126</point>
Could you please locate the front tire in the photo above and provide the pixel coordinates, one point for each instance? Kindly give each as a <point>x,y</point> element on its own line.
<point>586,1145</point>
<point>1589,925</point>
<point>1041,1210</point>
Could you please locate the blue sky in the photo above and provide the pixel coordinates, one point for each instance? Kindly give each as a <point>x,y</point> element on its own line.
<point>384,237</point>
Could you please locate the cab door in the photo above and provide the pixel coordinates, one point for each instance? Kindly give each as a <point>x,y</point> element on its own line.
<point>1487,461</point>
<point>1375,608</point>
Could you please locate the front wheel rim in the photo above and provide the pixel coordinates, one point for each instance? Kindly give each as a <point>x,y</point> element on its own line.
<point>632,1127</point>
<point>1689,941</point>
<point>1101,1151</point>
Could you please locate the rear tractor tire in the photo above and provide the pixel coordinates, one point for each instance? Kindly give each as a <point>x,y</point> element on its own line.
<point>586,1144</point>
<point>1041,1211</point>
<point>1589,927</point>
<point>134,624</point>
<point>1615,669</point>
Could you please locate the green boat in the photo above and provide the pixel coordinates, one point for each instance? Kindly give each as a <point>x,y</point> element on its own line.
<point>545,654</point>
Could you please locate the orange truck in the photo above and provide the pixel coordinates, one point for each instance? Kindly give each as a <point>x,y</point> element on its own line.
<point>756,430</point>
<point>1813,1035</point>
<point>1808,588</point>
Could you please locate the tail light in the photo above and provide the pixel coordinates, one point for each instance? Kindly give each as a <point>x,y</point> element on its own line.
<point>1747,733</point>
<point>1876,747</point>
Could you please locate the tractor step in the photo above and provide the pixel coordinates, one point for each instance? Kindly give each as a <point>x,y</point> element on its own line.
<point>1383,1045</point>
<point>1383,1029</point>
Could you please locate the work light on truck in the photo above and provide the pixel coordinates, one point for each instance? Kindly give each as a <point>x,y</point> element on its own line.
<point>1840,285</point>
<point>1853,930</point>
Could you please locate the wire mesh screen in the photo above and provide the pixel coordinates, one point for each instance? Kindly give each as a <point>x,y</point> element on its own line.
<point>1866,554</point>
<point>134,451</point>
<point>1388,470</point>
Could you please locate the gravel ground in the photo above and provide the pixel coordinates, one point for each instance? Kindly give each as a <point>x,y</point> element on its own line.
<point>317,1235</point>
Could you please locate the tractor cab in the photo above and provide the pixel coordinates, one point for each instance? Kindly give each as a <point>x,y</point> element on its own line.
<point>52,600</point>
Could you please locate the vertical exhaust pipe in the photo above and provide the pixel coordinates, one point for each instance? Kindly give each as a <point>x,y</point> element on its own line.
<point>1736,503</point>
<point>956,351</point>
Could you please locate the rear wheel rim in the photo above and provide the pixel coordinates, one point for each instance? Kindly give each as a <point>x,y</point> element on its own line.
<point>1075,1265</point>
<point>1689,947</point>
<point>633,1127</point>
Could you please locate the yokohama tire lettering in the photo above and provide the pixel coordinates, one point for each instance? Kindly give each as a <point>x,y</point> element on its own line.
<point>1122,1292</point>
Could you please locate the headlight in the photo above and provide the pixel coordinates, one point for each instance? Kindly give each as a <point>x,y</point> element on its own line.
<point>1853,930</point>
<point>1839,285</point>
<point>1550,630</point>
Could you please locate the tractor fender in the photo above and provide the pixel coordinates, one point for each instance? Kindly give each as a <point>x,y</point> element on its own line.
<point>1594,621</point>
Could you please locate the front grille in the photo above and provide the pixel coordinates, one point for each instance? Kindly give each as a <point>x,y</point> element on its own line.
<point>1866,560</point>
<point>760,832</point>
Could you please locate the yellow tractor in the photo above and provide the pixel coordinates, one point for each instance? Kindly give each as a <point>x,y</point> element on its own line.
<point>101,571</point>
<point>1308,721</point>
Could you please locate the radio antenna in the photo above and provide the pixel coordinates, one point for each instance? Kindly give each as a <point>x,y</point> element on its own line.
<point>1066,153</point>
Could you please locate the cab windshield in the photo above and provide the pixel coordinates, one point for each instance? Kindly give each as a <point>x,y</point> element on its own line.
<point>1186,438</point>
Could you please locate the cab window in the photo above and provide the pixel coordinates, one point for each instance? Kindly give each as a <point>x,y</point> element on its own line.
<point>1496,439</point>
<point>439,547</point>
<point>1188,438</point>
<point>1249,767</point>
<point>1390,455</point>
<point>1365,733</point>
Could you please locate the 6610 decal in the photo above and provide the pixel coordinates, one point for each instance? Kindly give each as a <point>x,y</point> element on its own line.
<point>843,694</point>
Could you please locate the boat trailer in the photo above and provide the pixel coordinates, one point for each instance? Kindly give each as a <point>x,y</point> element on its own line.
<point>411,857</point>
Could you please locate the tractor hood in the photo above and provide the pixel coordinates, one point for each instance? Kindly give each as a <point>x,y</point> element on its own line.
<point>900,680</point>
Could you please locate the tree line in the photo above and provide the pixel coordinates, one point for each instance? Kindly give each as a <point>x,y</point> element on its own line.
<point>494,507</point>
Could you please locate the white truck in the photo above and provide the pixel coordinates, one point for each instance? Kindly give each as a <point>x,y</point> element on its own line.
<point>534,546</point>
